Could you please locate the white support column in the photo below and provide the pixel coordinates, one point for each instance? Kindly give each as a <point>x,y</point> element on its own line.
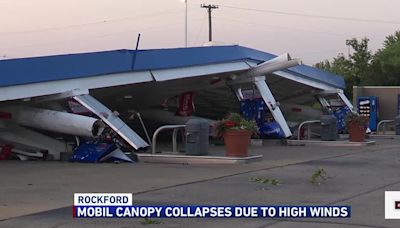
<point>346,101</point>
<point>62,122</point>
<point>111,120</point>
<point>272,105</point>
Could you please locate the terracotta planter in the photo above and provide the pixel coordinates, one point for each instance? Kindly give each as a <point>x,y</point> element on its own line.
<point>356,132</point>
<point>237,143</point>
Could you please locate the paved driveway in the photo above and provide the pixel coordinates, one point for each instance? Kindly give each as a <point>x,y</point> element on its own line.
<point>39,194</point>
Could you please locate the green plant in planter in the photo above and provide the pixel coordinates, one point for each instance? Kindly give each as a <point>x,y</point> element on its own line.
<point>356,126</point>
<point>356,119</point>
<point>234,121</point>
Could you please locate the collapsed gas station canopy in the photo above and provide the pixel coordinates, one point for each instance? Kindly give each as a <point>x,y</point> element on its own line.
<point>73,66</point>
<point>100,82</point>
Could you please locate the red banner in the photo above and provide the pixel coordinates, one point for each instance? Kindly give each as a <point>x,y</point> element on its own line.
<point>5,152</point>
<point>185,105</point>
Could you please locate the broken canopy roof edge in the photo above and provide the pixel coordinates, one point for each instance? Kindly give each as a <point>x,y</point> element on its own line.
<point>72,66</point>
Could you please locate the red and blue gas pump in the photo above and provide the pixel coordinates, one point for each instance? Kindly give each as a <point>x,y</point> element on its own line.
<point>256,109</point>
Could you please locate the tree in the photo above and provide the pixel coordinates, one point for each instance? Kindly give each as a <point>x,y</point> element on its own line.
<point>360,59</point>
<point>362,67</point>
<point>385,66</point>
<point>355,68</point>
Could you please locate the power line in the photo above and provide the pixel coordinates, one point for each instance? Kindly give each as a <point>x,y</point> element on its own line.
<point>97,36</point>
<point>200,30</point>
<point>280,27</point>
<point>311,53</point>
<point>90,23</point>
<point>88,37</point>
<point>314,16</point>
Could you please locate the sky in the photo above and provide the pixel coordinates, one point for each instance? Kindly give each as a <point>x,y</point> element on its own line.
<point>312,30</point>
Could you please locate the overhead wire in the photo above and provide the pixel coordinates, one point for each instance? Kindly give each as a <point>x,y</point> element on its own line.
<point>96,36</point>
<point>169,11</point>
<point>313,15</point>
<point>105,21</point>
<point>201,29</point>
<point>279,27</point>
<point>303,15</point>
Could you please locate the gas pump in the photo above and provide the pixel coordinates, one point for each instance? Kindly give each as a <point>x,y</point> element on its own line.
<point>253,107</point>
<point>368,106</point>
<point>335,103</point>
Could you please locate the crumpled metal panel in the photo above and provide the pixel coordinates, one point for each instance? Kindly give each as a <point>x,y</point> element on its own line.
<point>111,120</point>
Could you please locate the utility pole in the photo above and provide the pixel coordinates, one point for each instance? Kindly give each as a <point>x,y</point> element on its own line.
<point>209,10</point>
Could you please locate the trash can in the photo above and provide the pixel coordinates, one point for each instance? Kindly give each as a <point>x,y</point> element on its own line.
<point>397,123</point>
<point>328,128</point>
<point>197,137</point>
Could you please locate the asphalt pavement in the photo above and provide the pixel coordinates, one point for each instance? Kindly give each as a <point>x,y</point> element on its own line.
<point>40,194</point>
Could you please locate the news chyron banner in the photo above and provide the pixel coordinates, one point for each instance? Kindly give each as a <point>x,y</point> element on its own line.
<point>121,205</point>
<point>392,204</point>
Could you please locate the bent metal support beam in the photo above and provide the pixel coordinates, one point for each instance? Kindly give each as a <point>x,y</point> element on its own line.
<point>272,105</point>
<point>268,98</point>
<point>278,63</point>
<point>255,75</point>
<point>346,100</point>
<point>111,120</point>
<point>340,94</point>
